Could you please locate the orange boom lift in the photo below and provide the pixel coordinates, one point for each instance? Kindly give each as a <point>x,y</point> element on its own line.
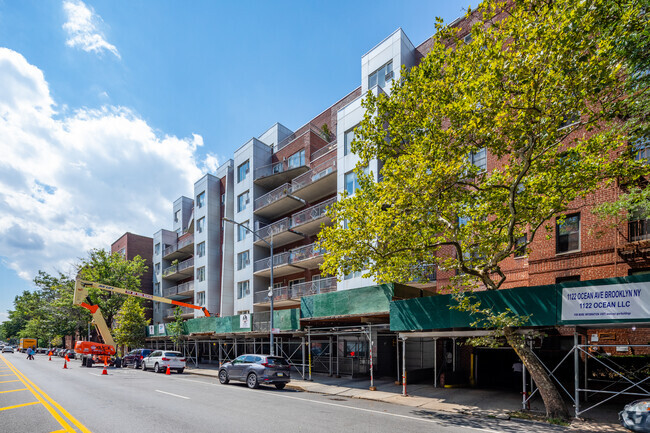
<point>91,351</point>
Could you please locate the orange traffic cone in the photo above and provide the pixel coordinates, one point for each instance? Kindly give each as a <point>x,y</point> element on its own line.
<point>168,371</point>
<point>65,364</point>
<point>104,372</point>
<point>50,355</point>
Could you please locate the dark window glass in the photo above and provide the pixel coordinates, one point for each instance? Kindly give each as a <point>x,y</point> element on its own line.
<point>520,249</point>
<point>276,361</point>
<point>568,234</point>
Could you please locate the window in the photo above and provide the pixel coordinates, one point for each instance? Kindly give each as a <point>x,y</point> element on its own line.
<point>156,248</point>
<point>242,171</point>
<point>568,234</point>
<point>520,249</point>
<point>277,168</point>
<point>241,231</point>
<point>157,290</point>
<point>642,148</point>
<point>200,273</point>
<point>122,252</point>
<point>468,38</point>
<point>381,76</point>
<point>200,200</point>
<point>356,274</point>
<point>296,281</point>
<point>638,227</point>
<point>200,249</point>
<point>242,289</point>
<point>242,260</point>
<point>157,268</point>
<point>223,199</point>
<point>348,138</point>
<point>351,183</point>
<point>479,158</point>
<point>242,201</point>
<point>200,225</point>
<point>570,278</point>
<point>177,216</point>
<point>297,159</point>
<point>200,298</point>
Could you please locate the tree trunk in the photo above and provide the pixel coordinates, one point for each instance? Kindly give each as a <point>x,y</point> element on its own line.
<point>555,407</point>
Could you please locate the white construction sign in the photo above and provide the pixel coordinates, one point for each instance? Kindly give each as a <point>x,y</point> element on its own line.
<point>629,301</point>
<point>244,321</point>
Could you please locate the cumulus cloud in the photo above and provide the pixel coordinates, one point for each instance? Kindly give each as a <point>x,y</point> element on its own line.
<point>82,29</point>
<point>70,183</point>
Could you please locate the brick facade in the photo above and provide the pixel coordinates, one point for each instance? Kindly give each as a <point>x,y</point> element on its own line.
<point>131,245</point>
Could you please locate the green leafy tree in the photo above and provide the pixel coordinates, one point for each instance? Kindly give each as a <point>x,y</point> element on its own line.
<point>175,328</point>
<point>130,324</point>
<point>113,270</point>
<point>546,89</point>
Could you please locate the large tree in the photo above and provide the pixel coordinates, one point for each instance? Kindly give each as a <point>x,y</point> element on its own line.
<point>113,270</point>
<point>549,88</point>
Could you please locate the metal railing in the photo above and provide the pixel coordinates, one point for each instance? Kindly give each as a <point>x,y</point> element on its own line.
<point>180,244</point>
<point>291,138</point>
<point>306,252</point>
<point>638,230</point>
<point>272,196</point>
<point>278,259</point>
<point>179,267</point>
<point>275,228</point>
<point>323,285</point>
<point>321,170</point>
<point>323,150</point>
<point>169,311</point>
<point>311,213</point>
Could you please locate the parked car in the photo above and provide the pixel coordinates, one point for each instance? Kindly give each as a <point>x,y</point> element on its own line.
<point>159,360</point>
<point>636,416</point>
<point>135,357</point>
<point>7,349</point>
<point>70,353</point>
<point>256,370</point>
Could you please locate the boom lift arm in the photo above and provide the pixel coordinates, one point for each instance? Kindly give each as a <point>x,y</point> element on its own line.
<point>81,295</point>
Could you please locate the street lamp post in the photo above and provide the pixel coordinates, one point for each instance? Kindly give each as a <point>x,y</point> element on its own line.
<point>270,292</point>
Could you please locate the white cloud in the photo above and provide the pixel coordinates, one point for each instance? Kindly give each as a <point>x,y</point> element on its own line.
<point>82,29</point>
<point>69,183</point>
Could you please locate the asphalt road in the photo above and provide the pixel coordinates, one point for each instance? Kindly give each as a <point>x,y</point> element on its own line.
<point>82,399</point>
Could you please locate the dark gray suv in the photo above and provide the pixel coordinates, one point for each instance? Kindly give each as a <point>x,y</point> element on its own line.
<point>256,370</point>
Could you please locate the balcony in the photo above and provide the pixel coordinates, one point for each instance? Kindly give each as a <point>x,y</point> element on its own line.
<point>277,202</point>
<point>318,182</point>
<point>309,221</point>
<point>285,296</point>
<point>638,240</point>
<point>281,266</point>
<point>278,232</point>
<point>183,248</point>
<point>180,271</point>
<point>307,257</point>
<point>186,312</point>
<point>183,290</point>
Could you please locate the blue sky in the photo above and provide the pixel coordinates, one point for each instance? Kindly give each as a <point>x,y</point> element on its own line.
<point>110,110</point>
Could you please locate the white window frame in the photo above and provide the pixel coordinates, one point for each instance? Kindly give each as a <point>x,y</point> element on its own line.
<point>200,200</point>
<point>247,166</point>
<point>241,263</point>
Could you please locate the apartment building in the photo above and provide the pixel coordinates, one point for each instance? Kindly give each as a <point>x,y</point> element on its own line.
<point>253,226</point>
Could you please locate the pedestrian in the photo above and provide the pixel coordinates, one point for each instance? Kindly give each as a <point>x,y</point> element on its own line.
<point>30,353</point>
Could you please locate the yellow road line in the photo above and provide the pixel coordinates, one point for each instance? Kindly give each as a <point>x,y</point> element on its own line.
<point>49,408</point>
<point>7,381</point>
<point>64,412</point>
<point>19,405</point>
<point>14,390</point>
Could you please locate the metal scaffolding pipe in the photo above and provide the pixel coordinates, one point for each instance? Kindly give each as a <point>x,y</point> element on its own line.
<point>576,374</point>
<point>435,362</point>
<point>404,367</point>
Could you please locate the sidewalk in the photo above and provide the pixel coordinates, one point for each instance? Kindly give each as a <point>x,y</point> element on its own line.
<point>468,401</point>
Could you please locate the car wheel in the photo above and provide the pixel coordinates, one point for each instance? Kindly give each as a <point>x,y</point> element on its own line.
<point>251,381</point>
<point>280,385</point>
<point>144,366</point>
<point>180,370</point>
<point>156,368</point>
<point>223,377</point>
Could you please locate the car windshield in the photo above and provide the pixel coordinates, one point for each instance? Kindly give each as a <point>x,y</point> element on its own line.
<point>276,361</point>
<point>174,354</point>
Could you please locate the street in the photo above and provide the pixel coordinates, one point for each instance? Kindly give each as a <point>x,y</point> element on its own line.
<point>128,399</point>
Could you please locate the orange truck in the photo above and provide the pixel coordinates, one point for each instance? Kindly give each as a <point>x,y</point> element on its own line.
<point>90,351</point>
